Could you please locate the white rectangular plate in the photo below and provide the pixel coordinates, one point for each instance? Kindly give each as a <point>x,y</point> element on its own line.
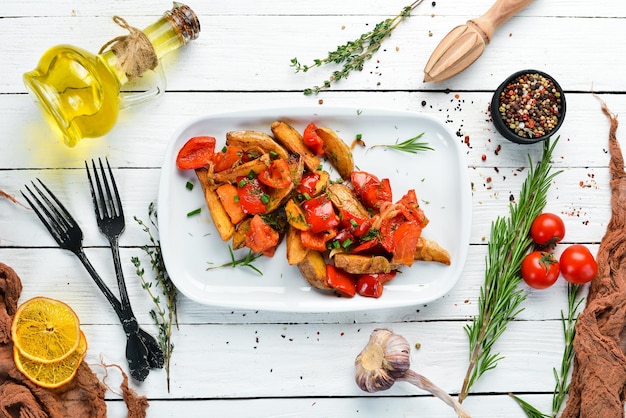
<point>439,177</point>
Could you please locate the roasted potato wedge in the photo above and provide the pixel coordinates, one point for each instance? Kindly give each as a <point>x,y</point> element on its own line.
<point>343,198</point>
<point>291,139</point>
<point>429,250</point>
<point>313,269</point>
<point>295,250</point>
<point>230,175</point>
<point>220,217</point>
<point>256,141</point>
<point>295,216</point>
<point>363,264</point>
<point>337,152</point>
<point>239,237</point>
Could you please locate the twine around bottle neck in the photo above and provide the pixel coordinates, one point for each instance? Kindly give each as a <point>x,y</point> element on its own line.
<point>135,53</point>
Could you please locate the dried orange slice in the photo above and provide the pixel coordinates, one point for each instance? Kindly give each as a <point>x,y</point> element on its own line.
<point>55,374</point>
<point>45,330</point>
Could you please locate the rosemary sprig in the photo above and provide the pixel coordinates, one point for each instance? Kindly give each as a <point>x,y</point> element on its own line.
<point>242,262</point>
<point>354,54</point>
<point>561,387</point>
<point>163,317</point>
<point>411,145</point>
<point>500,298</point>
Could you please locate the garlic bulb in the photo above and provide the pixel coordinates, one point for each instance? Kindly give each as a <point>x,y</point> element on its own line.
<point>382,361</point>
<point>385,359</point>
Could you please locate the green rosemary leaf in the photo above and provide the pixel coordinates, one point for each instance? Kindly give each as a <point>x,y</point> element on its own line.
<point>561,387</point>
<point>529,410</point>
<point>242,262</point>
<point>411,145</point>
<point>500,297</point>
<point>353,54</point>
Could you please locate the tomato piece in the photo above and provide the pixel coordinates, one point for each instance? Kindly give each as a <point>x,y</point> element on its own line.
<point>260,237</point>
<point>229,158</point>
<point>578,265</point>
<point>196,153</point>
<point>540,269</point>
<point>317,240</point>
<point>277,175</point>
<point>357,225</point>
<point>252,195</point>
<point>308,184</point>
<point>369,286</point>
<point>370,190</point>
<point>547,230</point>
<point>367,246</point>
<point>312,140</point>
<point>411,208</point>
<point>405,239</point>
<point>343,283</point>
<point>383,277</point>
<point>320,214</point>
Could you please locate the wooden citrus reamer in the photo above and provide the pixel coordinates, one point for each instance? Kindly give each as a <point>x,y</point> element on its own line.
<point>465,43</point>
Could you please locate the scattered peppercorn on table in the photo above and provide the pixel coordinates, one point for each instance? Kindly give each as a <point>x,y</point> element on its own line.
<point>255,360</point>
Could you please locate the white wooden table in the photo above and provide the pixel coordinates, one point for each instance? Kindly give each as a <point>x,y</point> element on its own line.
<point>234,363</point>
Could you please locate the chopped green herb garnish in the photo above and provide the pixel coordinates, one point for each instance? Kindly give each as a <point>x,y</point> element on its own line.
<point>189,185</point>
<point>265,198</point>
<point>194,212</point>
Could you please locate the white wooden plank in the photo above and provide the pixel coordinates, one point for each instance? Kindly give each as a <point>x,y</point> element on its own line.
<point>287,360</point>
<point>494,406</point>
<point>257,56</point>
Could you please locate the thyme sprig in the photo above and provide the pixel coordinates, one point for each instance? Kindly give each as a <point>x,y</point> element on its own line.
<point>500,297</point>
<point>561,387</point>
<point>354,54</point>
<point>163,316</point>
<point>411,145</point>
<point>242,262</point>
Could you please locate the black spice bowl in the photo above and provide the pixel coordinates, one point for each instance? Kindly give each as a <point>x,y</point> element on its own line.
<point>528,107</point>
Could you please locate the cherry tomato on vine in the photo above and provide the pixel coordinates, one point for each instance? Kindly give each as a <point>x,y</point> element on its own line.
<point>578,265</point>
<point>540,269</point>
<point>547,230</point>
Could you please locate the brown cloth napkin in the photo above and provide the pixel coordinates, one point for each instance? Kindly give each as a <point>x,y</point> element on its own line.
<point>19,397</point>
<point>598,383</point>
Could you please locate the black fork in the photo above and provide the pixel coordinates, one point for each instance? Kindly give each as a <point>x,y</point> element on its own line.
<point>142,351</point>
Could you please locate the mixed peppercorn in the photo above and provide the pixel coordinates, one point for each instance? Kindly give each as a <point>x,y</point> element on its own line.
<point>531,105</point>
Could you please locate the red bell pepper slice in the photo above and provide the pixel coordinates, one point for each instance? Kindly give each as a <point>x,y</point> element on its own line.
<point>308,185</point>
<point>371,285</point>
<point>343,283</point>
<point>370,190</point>
<point>196,153</point>
<point>320,214</point>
